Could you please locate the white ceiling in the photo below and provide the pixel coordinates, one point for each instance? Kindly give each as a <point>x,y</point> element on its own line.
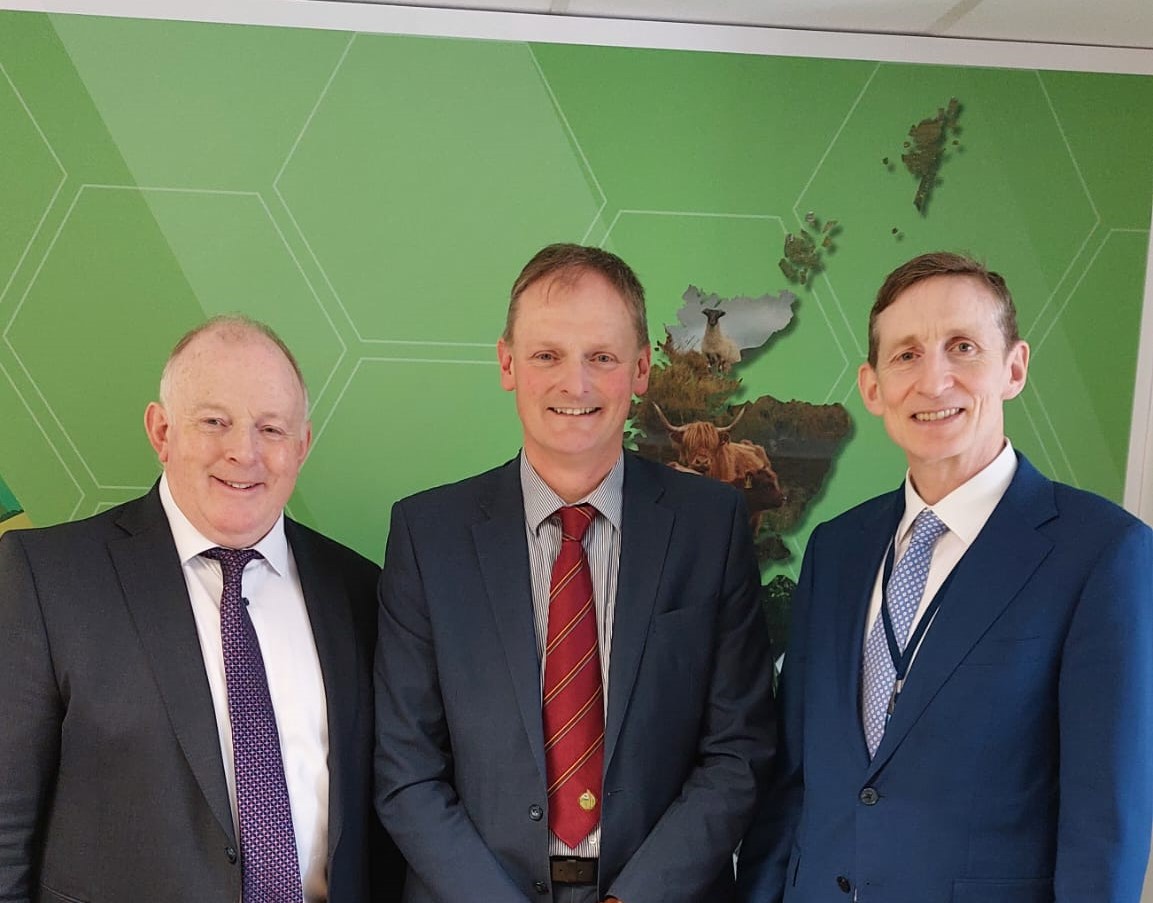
<point>1115,23</point>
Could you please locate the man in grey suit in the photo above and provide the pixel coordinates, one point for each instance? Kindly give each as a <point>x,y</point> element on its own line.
<point>575,698</point>
<point>185,679</point>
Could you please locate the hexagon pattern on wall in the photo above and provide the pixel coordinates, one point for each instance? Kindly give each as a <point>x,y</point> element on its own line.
<point>378,222</point>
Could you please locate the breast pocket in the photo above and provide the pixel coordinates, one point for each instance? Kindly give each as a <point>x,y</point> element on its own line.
<point>1006,651</point>
<point>1003,890</point>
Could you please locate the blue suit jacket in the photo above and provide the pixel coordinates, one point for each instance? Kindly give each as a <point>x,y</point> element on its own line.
<point>1017,767</point>
<point>689,731</point>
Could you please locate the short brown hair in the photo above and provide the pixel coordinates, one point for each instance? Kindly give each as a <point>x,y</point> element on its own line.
<point>232,326</point>
<point>944,263</point>
<point>569,262</point>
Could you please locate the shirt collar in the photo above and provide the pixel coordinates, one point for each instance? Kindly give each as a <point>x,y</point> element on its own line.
<point>966,509</point>
<point>190,542</point>
<point>540,502</point>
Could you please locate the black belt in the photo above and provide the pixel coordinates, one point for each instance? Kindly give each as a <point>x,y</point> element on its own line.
<point>573,870</point>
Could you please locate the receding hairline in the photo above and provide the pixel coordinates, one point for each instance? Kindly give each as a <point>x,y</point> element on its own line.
<point>229,328</point>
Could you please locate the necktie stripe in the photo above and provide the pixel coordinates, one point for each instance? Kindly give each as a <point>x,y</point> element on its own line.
<point>595,699</point>
<point>593,749</point>
<point>585,660</point>
<point>562,583</point>
<point>568,628</point>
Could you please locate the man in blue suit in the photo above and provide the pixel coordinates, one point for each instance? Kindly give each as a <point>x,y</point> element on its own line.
<point>642,788</point>
<point>977,727</point>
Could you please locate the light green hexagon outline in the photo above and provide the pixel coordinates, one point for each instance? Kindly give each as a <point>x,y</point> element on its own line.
<point>584,163</point>
<point>99,486</point>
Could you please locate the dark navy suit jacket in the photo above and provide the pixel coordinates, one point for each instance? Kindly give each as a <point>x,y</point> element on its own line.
<point>1018,766</point>
<point>689,731</point>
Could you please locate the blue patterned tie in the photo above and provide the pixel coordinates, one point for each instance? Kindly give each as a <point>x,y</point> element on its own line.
<point>906,586</point>
<point>267,842</point>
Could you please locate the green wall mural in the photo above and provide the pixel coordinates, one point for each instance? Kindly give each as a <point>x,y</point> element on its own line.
<point>372,197</point>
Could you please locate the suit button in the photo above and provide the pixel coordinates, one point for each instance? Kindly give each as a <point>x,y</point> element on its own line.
<point>230,852</point>
<point>869,796</point>
<point>540,887</point>
<point>844,884</point>
<point>536,813</point>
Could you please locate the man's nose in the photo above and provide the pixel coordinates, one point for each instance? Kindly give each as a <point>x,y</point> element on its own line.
<point>935,374</point>
<point>574,376</point>
<point>242,444</point>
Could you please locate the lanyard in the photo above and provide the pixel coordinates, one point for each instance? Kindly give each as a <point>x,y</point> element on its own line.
<point>902,660</point>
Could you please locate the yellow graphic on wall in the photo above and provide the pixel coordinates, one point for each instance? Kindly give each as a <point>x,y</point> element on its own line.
<point>12,516</point>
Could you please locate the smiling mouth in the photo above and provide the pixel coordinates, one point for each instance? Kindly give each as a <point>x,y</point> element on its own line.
<point>930,416</point>
<point>231,484</point>
<point>574,412</point>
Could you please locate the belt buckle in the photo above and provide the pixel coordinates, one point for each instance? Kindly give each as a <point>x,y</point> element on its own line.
<point>573,870</point>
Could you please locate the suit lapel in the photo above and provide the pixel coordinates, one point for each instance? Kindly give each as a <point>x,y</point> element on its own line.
<point>645,531</point>
<point>333,634</point>
<point>157,600</point>
<point>854,592</point>
<point>1005,554</point>
<point>502,555</point>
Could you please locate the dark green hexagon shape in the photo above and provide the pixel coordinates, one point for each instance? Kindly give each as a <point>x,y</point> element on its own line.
<point>428,176</point>
<point>128,273</point>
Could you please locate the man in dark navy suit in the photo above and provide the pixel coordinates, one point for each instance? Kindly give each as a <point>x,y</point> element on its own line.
<point>610,750</point>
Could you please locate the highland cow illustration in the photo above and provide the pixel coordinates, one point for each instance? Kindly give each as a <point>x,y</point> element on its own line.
<point>706,449</point>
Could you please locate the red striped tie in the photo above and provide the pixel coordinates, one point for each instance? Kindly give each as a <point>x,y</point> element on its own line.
<point>574,720</point>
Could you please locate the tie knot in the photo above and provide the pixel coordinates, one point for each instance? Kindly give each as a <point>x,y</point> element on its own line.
<point>575,520</point>
<point>927,528</point>
<point>232,561</point>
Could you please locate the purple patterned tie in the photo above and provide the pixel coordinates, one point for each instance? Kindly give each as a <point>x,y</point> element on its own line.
<point>267,842</point>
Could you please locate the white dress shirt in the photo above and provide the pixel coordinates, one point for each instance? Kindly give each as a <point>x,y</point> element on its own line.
<point>964,511</point>
<point>295,683</point>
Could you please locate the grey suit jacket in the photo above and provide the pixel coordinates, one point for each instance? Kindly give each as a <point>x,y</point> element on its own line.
<point>688,736</point>
<point>111,781</point>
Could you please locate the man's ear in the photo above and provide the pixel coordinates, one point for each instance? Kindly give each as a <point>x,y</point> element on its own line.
<point>644,368</point>
<point>870,390</point>
<point>1018,362</point>
<point>157,425</point>
<point>504,358</point>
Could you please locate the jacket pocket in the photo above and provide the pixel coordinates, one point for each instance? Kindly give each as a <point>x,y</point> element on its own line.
<point>48,895</point>
<point>1003,890</point>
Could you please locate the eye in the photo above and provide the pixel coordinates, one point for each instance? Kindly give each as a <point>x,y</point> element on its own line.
<point>604,358</point>
<point>546,357</point>
<point>212,422</point>
<point>274,431</point>
<point>906,356</point>
<point>965,347</point>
